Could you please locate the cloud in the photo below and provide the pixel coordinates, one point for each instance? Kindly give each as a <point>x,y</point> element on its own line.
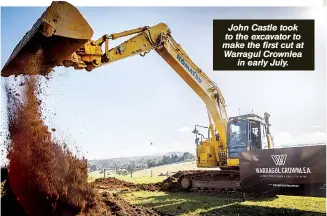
<point>316,126</point>
<point>180,147</point>
<point>285,138</point>
<point>175,146</point>
<point>184,129</point>
<point>152,149</point>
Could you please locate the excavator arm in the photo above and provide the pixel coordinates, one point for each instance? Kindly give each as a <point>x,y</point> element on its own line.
<point>157,38</point>
<point>62,37</point>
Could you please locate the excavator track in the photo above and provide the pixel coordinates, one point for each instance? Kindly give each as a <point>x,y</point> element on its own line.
<point>210,180</point>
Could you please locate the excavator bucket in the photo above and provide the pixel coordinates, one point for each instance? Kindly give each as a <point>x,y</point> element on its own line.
<point>56,35</point>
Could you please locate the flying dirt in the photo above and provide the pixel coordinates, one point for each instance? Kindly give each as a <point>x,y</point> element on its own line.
<point>45,177</point>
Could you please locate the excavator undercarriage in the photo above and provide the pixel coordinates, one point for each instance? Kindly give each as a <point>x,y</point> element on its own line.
<point>206,179</point>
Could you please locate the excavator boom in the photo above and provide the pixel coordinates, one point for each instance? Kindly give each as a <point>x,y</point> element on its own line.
<point>62,37</point>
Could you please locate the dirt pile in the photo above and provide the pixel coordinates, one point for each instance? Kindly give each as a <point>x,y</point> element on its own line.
<point>104,204</point>
<point>112,183</point>
<point>170,184</point>
<point>9,204</point>
<point>108,204</point>
<point>45,177</point>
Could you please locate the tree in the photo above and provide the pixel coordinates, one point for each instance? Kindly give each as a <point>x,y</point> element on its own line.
<point>93,168</point>
<point>131,168</point>
<point>175,158</point>
<point>187,156</point>
<point>165,159</point>
<point>151,163</point>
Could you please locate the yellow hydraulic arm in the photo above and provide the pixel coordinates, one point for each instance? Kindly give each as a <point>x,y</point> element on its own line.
<point>159,38</point>
<point>62,37</point>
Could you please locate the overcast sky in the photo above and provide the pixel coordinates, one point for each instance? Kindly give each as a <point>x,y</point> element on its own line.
<point>119,109</point>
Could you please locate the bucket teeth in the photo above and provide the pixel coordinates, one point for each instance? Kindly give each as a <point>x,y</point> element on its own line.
<point>56,35</point>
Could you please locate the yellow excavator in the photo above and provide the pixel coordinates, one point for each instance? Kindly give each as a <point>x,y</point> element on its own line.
<point>62,37</point>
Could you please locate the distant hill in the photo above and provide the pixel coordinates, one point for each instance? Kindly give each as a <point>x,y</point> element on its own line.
<point>140,162</point>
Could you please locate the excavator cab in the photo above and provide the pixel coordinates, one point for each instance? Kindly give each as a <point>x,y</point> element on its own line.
<point>246,133</point>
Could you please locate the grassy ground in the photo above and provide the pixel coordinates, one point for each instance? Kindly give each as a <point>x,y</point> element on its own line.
<point>141,179</point>
<point>197,204</point>
<point>144,176</point>
<point>135,178</point>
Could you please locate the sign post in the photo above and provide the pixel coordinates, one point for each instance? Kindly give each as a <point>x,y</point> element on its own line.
<point>298,171</point>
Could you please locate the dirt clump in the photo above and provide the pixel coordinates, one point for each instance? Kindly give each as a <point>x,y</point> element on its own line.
<point>149,187</point>
<point>9,204</point>
<point>111,183</point>
<point>45,178</point>
<point>108,204</point>
<point>172,184</point>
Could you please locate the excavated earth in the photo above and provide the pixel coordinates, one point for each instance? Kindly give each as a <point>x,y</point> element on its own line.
<point>113,184</point>
<point>106,202</point>
<point>43,177</point>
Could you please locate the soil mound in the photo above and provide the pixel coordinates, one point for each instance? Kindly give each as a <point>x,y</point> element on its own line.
<point>108,204</point>
<point>171,183</point>
<point>103,204</point>
<point>112,183</point>
<point>43,177</point>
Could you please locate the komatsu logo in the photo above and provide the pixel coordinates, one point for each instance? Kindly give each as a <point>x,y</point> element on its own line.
<point>279,159</point>
<point>189,69</point>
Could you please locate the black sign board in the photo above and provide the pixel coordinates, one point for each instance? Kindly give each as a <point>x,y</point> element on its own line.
<point>299,171</point>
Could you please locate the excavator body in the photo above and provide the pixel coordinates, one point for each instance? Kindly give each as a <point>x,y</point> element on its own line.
<point>62,37</point>
<point>245,133</point>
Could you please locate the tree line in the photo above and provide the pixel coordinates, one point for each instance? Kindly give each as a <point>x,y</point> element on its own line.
<point>169,159</point>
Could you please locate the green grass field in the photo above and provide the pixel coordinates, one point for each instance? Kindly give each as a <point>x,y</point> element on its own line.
<point>197,204</point>
<point>144,176</point>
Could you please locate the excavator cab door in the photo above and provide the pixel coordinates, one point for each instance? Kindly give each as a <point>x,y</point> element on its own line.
<point>257,136</point>
<point>245,133</point>
<point>238,138</point>
<point>254,135</point>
